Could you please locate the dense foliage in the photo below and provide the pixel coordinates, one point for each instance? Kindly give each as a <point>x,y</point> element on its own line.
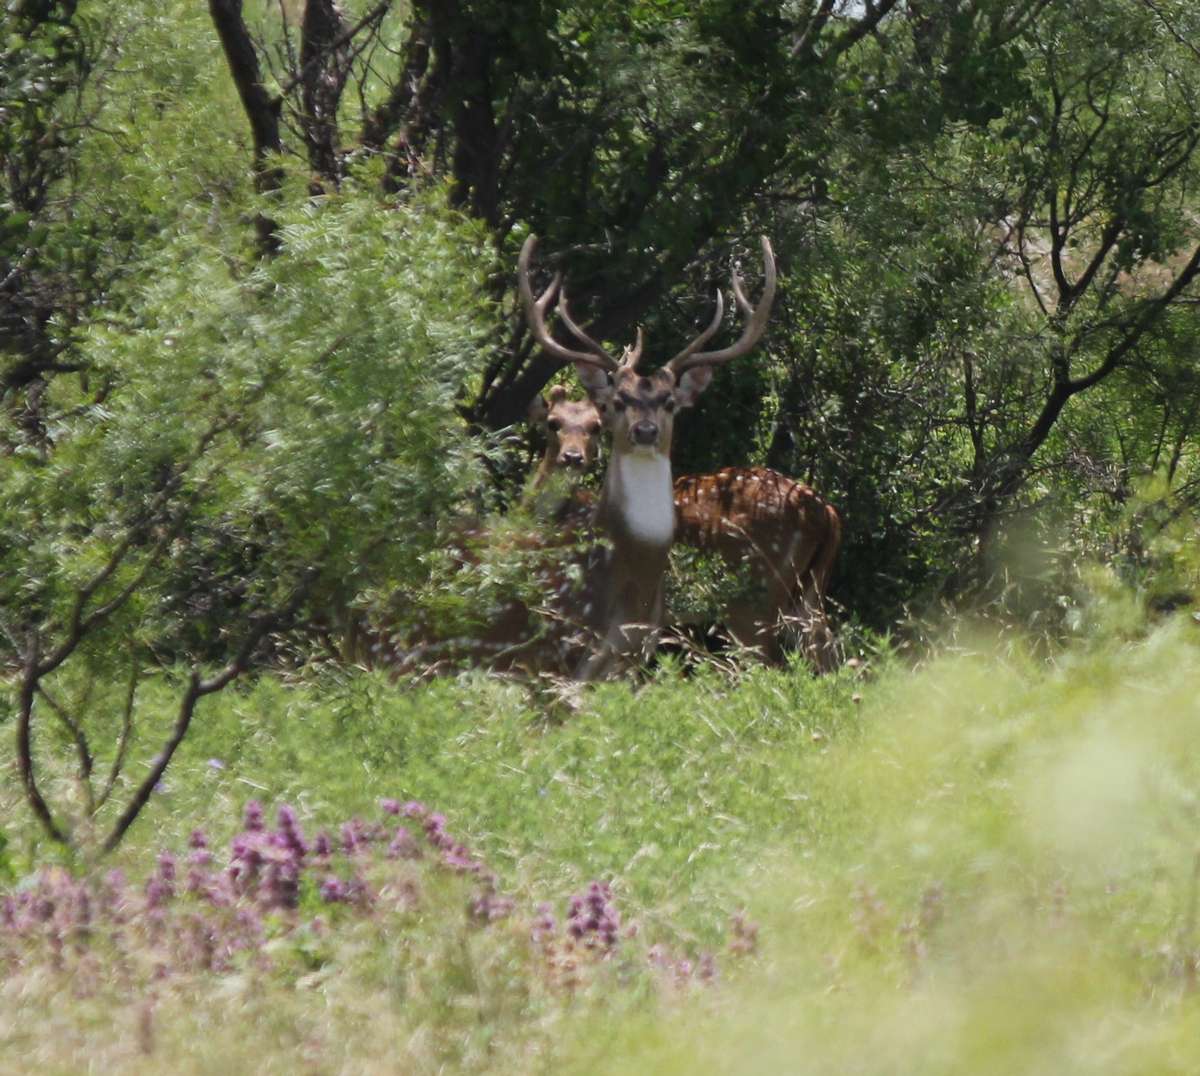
<point>259,350</point>
<point>984,214</point>
<point>260,364</point>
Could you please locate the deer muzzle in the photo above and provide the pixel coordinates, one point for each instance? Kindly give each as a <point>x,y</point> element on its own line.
<point>644,433</point>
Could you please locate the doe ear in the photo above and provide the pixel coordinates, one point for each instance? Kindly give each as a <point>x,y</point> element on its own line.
<point>537,411</point>
<point>557,393</point>
<point>597,382</point>
<point>691,384</point>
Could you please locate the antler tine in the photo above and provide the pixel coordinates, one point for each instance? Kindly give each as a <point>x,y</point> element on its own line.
<point>573,327</point>
<point>633,355</point>
<point>705,336</point>
<point>535,314</point>
<point>756,322</point>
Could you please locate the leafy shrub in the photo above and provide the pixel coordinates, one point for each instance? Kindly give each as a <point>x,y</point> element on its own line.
<point>268,440</point>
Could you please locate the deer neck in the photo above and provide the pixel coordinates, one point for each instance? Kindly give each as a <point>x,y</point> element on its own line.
<point>639,502</point>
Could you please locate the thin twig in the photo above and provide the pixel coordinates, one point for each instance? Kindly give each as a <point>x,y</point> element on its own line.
<point>373,15</point>
<point>197,688</point>
<point>118,761</point>
<point>84,775</point>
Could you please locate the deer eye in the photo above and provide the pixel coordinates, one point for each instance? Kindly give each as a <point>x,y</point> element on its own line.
<point>669,406</point>
<point>594,428</point>
<point>618,405</point>
<point>554,425</point>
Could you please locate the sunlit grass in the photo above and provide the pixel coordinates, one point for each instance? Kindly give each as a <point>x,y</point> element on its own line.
<point>986,865</point>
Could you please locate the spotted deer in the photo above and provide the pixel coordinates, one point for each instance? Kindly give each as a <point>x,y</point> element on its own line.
<point>623,596</point>
<point>572,429</point>
<point>787,534</point>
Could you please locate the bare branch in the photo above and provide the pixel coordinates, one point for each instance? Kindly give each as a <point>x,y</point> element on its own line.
<point>344,38</point>
<point>875,14</point>
<point>126,731</point>
<point>197,688</point>
<point>73,727</point>
<point>29,685</point>
<point>262,110</point>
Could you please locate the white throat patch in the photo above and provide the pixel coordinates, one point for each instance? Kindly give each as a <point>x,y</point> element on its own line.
<point>647,499</point>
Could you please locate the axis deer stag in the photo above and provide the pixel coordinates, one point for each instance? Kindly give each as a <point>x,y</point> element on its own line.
<point>636,509</point>
<point>789,536</point>
<point>781,528</point>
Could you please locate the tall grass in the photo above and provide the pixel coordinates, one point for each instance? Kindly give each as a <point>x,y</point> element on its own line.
<point>985,865</point>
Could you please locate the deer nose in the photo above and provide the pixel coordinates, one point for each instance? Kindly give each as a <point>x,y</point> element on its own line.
<point>571,457</point>
<point>645,432</point>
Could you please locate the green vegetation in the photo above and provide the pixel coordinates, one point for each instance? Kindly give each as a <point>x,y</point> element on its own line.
<point>986,863</point>
<point>261,362</point>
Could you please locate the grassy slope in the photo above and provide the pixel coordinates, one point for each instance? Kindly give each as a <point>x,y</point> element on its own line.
<point>985,866</point>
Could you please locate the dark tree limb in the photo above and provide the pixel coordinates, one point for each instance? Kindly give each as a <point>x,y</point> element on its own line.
<point>261,108</point>
<point>334,43</point>
<point>382,121</point>
<point>875,13</point>
<point>1009,469</point>
<point>324,68</point>
<point>198,687</point>
<point>118,761</point>
<point>25,704</point>
<point>476,162</point>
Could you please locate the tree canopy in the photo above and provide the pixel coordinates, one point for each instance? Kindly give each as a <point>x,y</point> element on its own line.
<point>259,337</point>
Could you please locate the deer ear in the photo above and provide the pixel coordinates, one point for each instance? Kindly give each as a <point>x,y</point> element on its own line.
<point>691,383</point>
<point>537,410</point>
<point>597,382</point>
<point>557,393</point>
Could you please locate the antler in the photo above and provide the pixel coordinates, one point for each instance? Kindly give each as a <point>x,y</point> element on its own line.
<point>756,322</point>
<point>704,337</point>
<point>535,314</point>
<point>630,357</point>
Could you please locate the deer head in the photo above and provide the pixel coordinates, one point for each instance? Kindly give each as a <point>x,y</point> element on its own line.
<point>572,429</point>
<point>636,509</point>
<point>639,408</point>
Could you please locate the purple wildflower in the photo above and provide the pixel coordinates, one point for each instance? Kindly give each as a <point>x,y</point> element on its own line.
<point>544,925</point>
<point>254,816</point>
<point>403,846</point>
<point>435,830</point>
<point>457,858</point>
<point>289,830</point>
<point>745,935</point>
<point>390,806</point>
<point>160,887</point>
<point>486,905</point>
<point>593,918</point>
<point>333,890</point>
